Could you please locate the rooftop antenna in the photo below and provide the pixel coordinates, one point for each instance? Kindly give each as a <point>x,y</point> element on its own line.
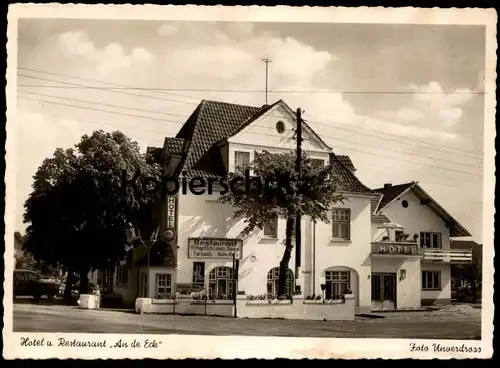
<point>267,61</point>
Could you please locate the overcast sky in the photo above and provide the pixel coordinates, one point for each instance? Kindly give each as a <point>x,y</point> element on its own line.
<point>404,102</point>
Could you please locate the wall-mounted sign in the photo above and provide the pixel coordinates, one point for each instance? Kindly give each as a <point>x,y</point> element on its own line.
<point>215,248</point>
<point>198,272</point>
<point>171,205</point>
<point>394,249</point>
<point>186,288</point>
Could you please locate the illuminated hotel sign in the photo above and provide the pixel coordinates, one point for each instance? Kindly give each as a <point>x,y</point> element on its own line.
<point>380,248</point>
<point>214,248</point>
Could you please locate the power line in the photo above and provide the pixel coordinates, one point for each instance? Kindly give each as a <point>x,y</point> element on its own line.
<point>331,125</point>
<point>103,104</point>
<point>121,86</point>
<point>465,153</point>
<point>110,89</point>
<point>101,110</point>
<point>161,142</point>
<point>177,122</point>
<point>159,112</point>
<point>271,91</point>
<point>87,121</point>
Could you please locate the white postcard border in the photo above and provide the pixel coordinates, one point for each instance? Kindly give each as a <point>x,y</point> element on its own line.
<point>210,347</point>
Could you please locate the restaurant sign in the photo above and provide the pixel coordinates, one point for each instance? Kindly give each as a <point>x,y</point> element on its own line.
<point>215,248</point>
<point>409,249</point>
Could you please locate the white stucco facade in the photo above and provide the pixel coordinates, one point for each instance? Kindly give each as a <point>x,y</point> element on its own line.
<point>390,280</point>
<point>417,218</point>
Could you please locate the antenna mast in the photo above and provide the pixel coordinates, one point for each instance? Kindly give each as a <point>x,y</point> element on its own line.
<point>267,61</point>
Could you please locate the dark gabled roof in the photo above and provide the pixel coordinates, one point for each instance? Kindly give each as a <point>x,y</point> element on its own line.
<point>390,193</point>
<point>211,122</point>
<point>175,146</point>
<point>347,181</point>
<point>346,160</point>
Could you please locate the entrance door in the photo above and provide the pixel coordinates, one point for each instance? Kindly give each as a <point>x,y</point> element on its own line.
<point>383,291</point>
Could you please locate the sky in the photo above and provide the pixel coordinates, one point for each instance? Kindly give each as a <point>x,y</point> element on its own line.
<point>405,102</point>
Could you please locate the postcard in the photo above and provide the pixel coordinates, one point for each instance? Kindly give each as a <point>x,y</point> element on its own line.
<point>249,182</point>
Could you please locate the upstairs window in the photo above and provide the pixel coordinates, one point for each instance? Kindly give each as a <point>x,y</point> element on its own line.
<point>241,161</point>
<point>271,228</point>
<point>317,163</point>
<point>341,223</point>
<point>430,240</point>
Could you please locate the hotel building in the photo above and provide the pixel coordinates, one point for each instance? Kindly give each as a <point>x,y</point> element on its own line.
<point>390,246</point>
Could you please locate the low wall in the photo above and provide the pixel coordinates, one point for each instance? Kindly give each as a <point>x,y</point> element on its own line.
<point>219,308</point>
<point>299,309</point>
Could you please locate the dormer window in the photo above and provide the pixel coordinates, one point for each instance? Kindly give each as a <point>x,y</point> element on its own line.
<point>317,163</point>
<point>241,161</point>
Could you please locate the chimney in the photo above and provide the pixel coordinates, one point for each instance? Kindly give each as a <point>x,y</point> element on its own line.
<point>387,185</point>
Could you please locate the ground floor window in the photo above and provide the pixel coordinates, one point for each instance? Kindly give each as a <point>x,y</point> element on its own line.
<point>337,283</point>
<point>431,280</point>
<point>163,286</point>
<point>221,283</point>
<point>122,275</point>
<point>105,280</point>
<point>273,282</point>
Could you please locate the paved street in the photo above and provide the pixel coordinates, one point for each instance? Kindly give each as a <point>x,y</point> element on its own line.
<point>448,324</point>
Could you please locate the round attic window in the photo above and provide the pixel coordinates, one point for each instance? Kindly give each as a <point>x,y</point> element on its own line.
<point>404,203</point>
<point>280,127</point>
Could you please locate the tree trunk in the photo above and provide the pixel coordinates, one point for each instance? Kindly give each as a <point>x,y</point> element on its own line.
<point>84,281</point>
<point>286,256</point>
<point>70,279</point>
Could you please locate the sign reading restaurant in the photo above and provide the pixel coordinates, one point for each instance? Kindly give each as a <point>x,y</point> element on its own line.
<point>215,248</point>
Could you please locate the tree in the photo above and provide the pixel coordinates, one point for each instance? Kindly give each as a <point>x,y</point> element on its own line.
<point>78,211</point>
<point>471,273</point>
<point>276,192</point>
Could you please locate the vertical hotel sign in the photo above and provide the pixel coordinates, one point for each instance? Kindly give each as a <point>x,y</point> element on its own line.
<point>171,228</point>
<point>171,211</point>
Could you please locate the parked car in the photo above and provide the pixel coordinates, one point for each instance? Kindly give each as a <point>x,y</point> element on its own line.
<point>30,283</point>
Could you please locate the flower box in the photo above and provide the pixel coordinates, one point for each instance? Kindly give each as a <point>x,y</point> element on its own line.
<point>269,302</point>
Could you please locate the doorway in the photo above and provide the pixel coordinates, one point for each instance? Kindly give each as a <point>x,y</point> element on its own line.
<point>384,291</point>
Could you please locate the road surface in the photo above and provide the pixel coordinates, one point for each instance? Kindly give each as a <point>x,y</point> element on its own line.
<point>419,325</point>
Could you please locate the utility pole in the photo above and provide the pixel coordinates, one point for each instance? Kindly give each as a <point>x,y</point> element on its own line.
<point>298,169</point>
<point>267,61</point>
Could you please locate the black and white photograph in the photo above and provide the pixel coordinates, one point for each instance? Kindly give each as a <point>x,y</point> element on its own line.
<point>272,173</point>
